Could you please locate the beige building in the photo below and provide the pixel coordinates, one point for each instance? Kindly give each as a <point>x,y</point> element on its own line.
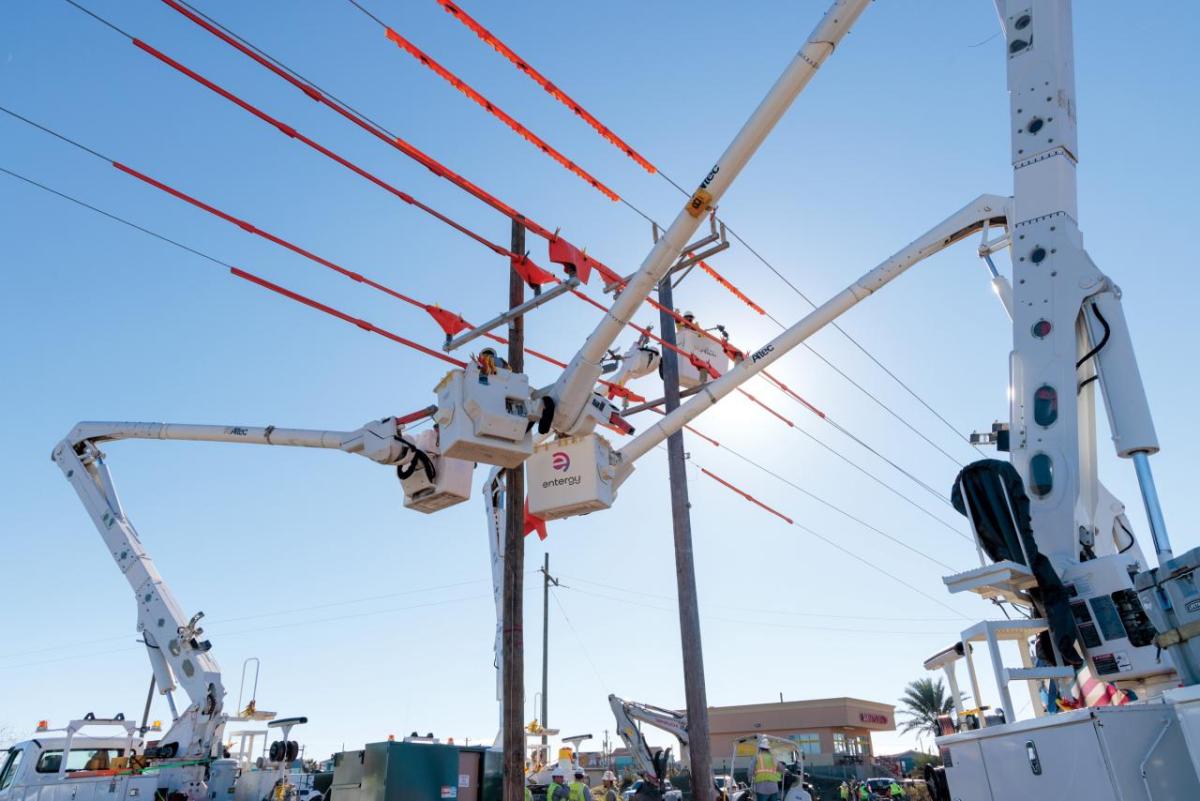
<point>828,731</point>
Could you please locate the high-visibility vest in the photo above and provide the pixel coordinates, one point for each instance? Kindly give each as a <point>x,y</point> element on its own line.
<point>864,793</point>
<point>552,791</point>
<point>843,792</point>
<point>575,791</point>
<point>765,769</point>
<point>528,793</point>
<point>896,790</point>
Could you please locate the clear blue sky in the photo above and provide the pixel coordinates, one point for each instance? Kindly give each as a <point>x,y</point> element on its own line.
<point>372,620</point>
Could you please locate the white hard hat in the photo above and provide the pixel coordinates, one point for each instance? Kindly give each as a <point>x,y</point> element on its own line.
<point>609,776</point>
<point>763,742</point>
<point>687,315</point>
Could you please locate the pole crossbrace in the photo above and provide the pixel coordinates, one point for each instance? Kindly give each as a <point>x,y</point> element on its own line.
<point>511,314</point>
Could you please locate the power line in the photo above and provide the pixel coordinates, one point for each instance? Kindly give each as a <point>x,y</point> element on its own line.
<point>334,102</point>
<point>555,91</point>
<point>277,240</point>
<point>115,218</point>
<point>259,629</point>
<point>849,553</point>
<point>604,685</point>
<point>252,229</point>
<point>790,612</point>
<point>756,621</point>
<point>323,308</point>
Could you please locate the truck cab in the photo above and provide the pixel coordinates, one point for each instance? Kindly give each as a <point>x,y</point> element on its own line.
<point>74,768</point>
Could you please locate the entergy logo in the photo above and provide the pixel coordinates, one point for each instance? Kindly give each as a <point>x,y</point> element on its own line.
<point>560,461</point>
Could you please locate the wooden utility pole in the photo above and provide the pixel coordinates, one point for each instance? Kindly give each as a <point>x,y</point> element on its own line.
<point>513,642</point>
<point>699,749</point>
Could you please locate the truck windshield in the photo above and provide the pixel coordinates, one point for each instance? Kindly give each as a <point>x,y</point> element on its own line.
<point>78,759</point>
<point>11,760</point>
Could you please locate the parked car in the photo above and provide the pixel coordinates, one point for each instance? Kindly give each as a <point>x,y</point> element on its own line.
<point>670,792</point>
<point>881,786</point>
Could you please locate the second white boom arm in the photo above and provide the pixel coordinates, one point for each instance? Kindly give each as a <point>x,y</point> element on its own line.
<point>992,210</point>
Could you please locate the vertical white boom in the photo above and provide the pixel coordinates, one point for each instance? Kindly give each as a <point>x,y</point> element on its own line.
<point>574,387</point>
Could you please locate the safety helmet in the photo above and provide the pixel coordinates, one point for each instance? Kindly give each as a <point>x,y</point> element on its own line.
<point>579,774</point>
<point>609,776</point>
<point>763,742</point>
<point>557,772</point>
<point>687,315</point>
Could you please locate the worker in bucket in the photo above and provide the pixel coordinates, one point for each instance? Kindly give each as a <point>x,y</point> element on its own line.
<point>557,789</point>
<point>765,775</point>
<point>578,790</point>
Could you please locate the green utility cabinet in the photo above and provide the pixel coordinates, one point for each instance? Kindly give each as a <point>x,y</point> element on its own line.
<point>392,771</point>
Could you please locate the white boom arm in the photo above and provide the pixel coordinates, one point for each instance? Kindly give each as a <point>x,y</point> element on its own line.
<point>574,388</point>
<point>984,210</point>
<point>178,655</point>
<point>627,712</point>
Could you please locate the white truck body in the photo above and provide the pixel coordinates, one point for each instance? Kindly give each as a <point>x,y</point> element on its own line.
<point>32,771</point>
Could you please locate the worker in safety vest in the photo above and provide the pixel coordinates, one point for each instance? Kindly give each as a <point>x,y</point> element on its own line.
<point>864,792</point>
<point>896,791</point>
<point>610,791</point>
<point>844,792</point>
<point>578,790</point>
<point>557,789</point>
<point>765,776</point>
<point>528,793</point>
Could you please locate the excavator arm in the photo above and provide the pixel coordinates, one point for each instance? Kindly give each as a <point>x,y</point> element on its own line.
<point>629,713</point>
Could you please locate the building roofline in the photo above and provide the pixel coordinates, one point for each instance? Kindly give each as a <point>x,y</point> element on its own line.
<point>816,702</point>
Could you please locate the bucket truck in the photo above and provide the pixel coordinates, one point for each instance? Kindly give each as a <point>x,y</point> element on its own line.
<point>187,761</point>
<point>1114,635</point>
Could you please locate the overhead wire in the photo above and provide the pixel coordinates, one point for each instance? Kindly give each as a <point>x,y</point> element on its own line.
<point>295,296</point>
<point>587,654</point>
<point>827,540</point>
<point>243,274</point>
<point>321,95</point>
<point>234,270</point>
<point>755,609</point>
<point>404,196</point>
<point>260,629</point>
<point>757,621</point>
<point>432,309</point>
<point>281,290</point>
<point>523,65</point>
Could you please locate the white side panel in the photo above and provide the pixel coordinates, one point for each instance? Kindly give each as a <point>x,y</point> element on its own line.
<point>1072,765</point>
<point>966,772</point>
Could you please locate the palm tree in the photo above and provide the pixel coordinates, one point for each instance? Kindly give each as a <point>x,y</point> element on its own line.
<point>922,702</point>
